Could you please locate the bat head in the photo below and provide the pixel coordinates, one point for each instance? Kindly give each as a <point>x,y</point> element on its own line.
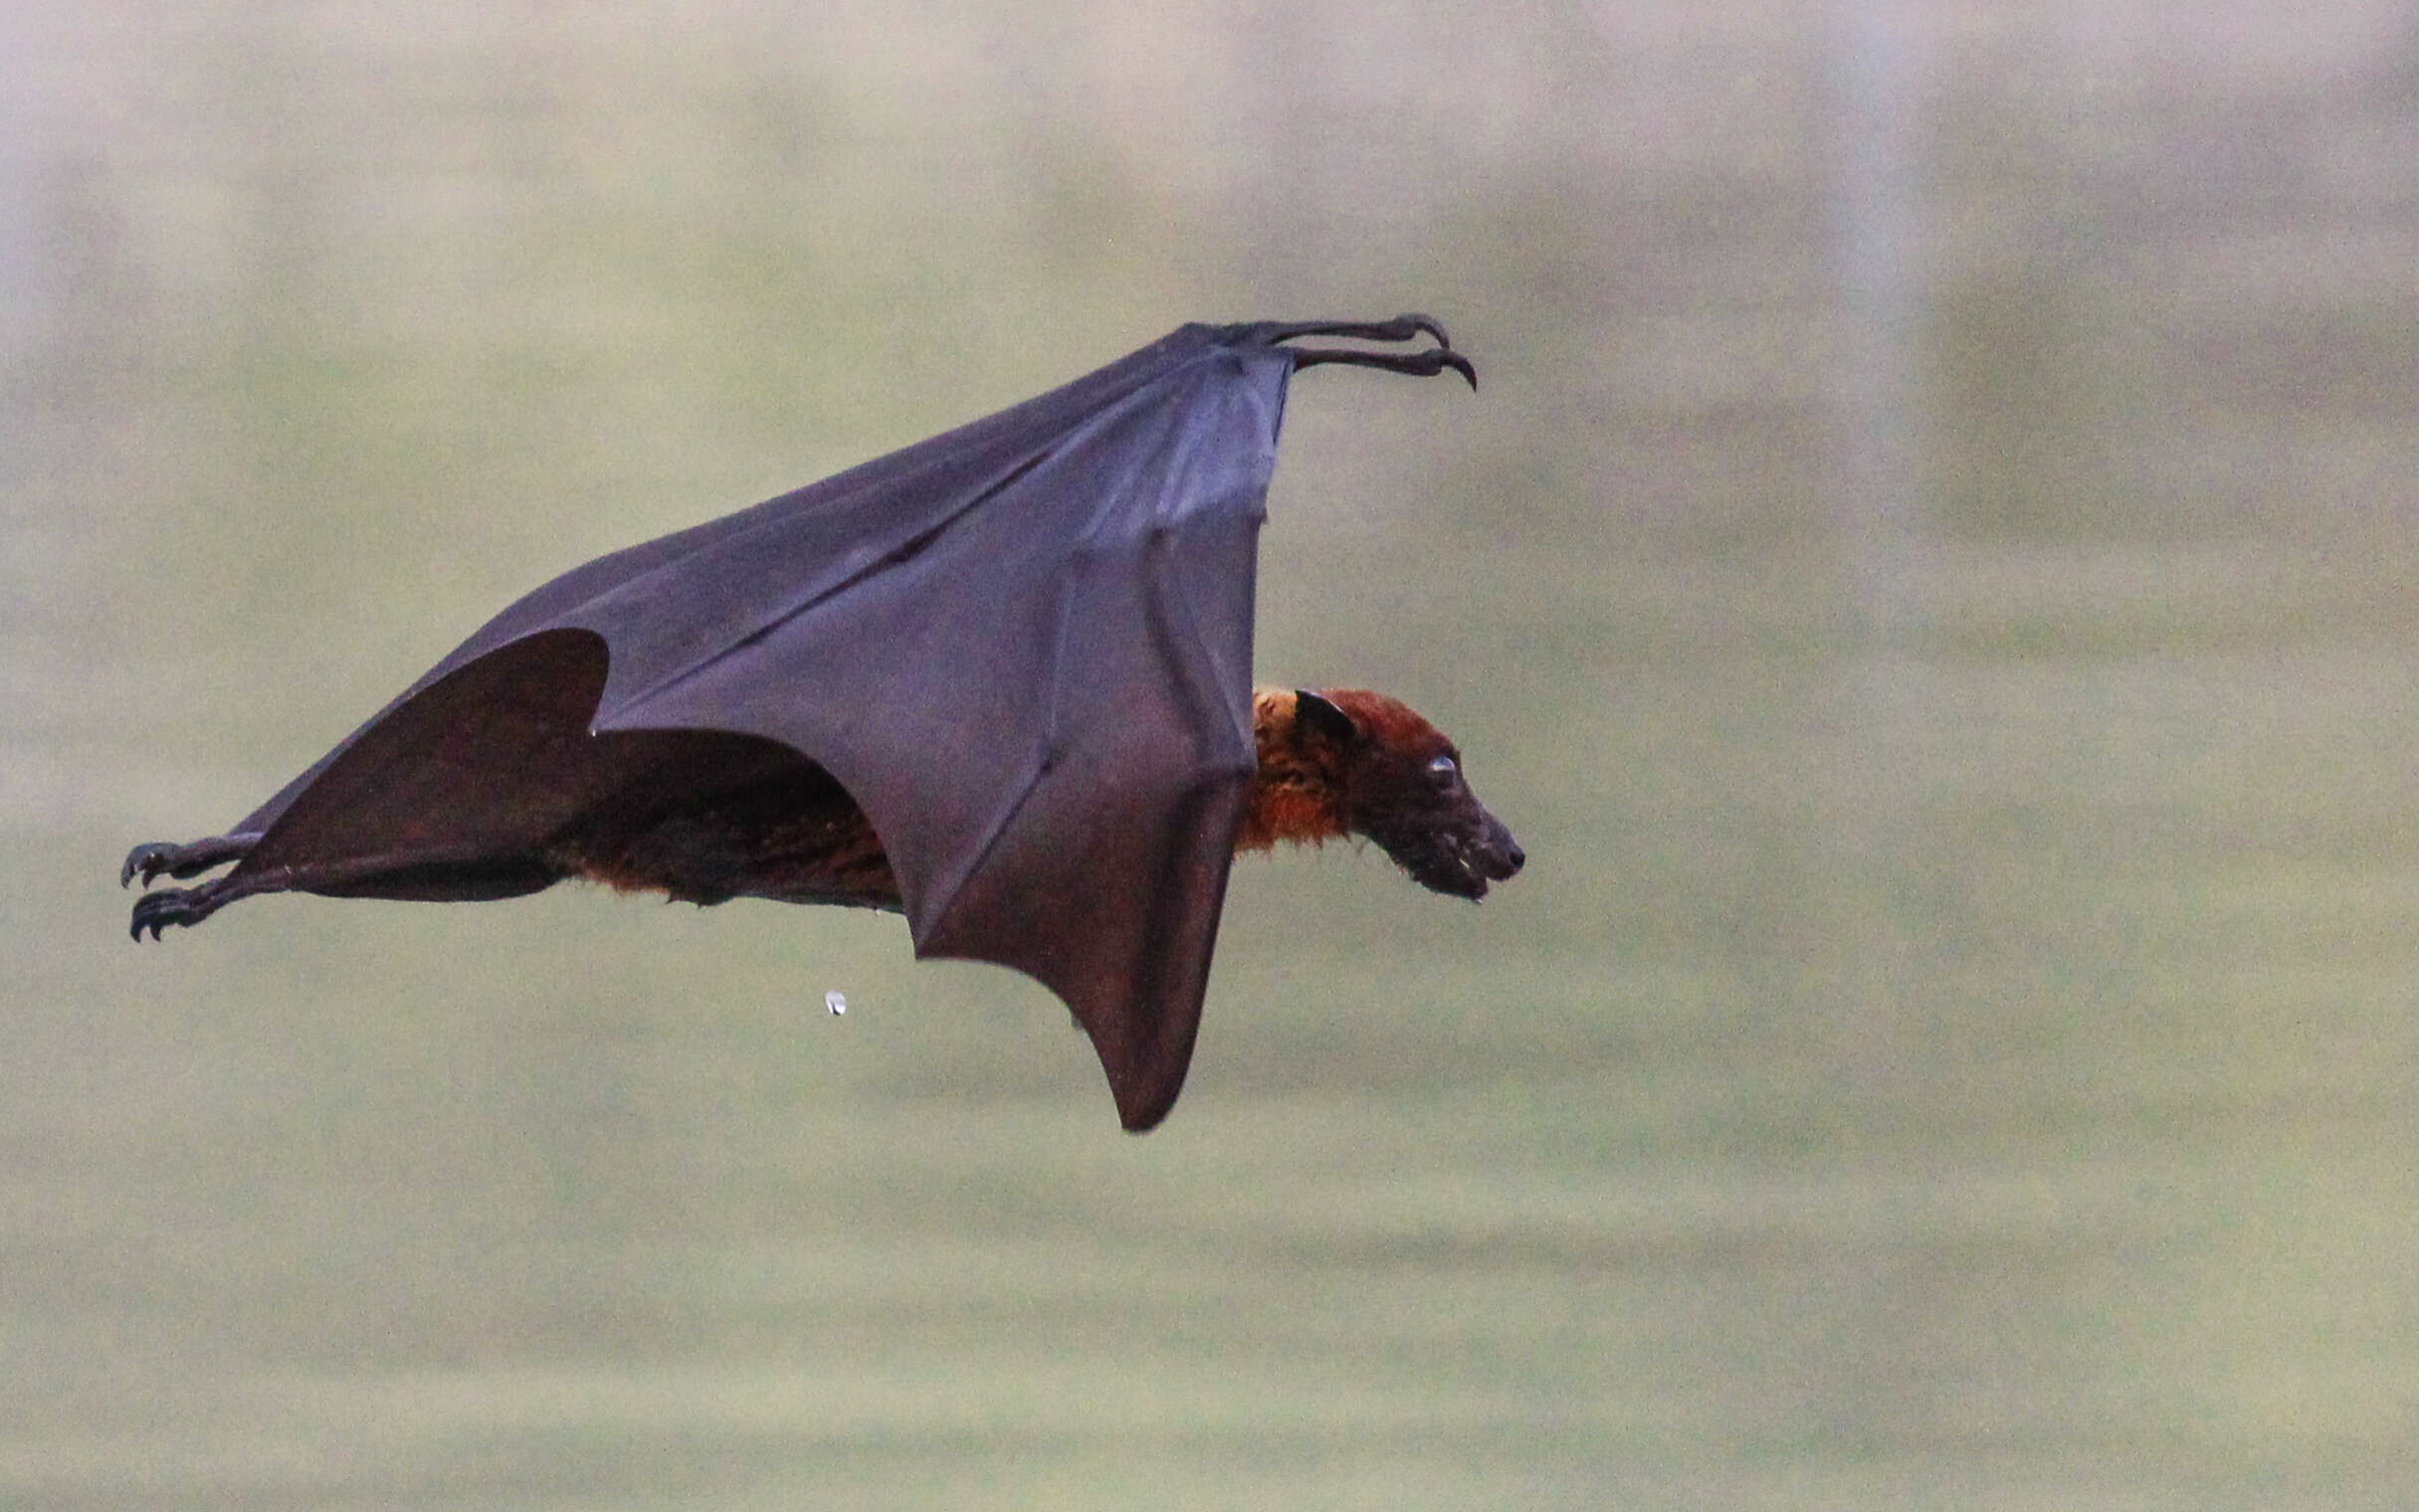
<point>1399,781</point>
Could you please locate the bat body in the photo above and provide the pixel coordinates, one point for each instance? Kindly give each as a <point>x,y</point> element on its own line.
<point>998,680</point>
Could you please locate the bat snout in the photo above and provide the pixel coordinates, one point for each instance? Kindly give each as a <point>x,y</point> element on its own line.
<point>1495,857</point>
<point>1504,856</point>
<point>1458,864</point>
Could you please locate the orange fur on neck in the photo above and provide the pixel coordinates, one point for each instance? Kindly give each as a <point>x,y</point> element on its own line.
<point>1294,797</point>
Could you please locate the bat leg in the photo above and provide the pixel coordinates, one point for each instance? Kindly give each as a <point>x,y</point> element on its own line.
<point>414,876</point>
<point>154,859</point>
<point>1400,328</point>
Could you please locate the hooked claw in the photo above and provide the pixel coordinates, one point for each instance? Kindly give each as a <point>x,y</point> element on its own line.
<point>150,859</point>
<point>1425,364</point>
<point>156,911</point>
<point>1421,364</point>
<point>154,859</point>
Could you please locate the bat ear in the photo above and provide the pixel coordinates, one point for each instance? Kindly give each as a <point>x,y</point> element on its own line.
<point>1316,718</point>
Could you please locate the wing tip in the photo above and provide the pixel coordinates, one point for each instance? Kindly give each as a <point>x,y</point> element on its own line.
<point>1144,1106</point>
<point>1145,1073</point>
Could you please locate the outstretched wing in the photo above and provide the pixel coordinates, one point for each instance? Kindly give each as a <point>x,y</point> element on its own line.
<point>1031,665</point>
<point>1024,646</point>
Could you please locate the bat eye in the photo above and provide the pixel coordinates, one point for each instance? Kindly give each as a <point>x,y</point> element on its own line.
<point>1443,767</point>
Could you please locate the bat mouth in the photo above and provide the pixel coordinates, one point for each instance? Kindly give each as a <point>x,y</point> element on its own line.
<point>1460,865</point>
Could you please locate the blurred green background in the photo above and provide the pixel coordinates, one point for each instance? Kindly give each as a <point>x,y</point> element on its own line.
<point>1930,577</point>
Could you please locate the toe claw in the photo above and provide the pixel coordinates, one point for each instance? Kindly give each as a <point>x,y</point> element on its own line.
<point>156,911</point>
<point>147,860</point>
<point>155,858</point>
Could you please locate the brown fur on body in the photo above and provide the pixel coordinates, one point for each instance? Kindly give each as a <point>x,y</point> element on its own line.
<point>1344,762</point>
<point>791,834</point>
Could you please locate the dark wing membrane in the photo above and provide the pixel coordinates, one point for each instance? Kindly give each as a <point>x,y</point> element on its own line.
<point>483,762</point>
<point>1042,701</point>
<point>1023,646</point>
<point>457,793</point>
<point>876,498</point>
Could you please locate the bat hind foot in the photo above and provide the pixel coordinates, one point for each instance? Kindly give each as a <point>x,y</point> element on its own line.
<point>178,907</point>
<point>160,857</point>
<point>1420,365</point>
<point>1426,363</point>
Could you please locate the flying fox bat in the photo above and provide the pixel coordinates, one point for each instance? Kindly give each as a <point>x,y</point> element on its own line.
<point>999,681</point>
